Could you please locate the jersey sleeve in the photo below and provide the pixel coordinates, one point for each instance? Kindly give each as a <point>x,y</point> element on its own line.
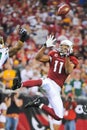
<point>74,60</point>
<point>51,53</point>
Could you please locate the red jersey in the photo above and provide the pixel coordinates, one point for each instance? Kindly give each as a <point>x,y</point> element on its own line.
<point>57,67</point>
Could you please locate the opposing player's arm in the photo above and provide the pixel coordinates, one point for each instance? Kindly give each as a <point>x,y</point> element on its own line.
<point>40,56</point>
<point>23,37</point>
<point>69,65</point>
<point>15,49</point>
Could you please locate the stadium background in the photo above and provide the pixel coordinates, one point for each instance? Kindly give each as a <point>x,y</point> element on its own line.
<point>32,118</point>
<point>41,15</point>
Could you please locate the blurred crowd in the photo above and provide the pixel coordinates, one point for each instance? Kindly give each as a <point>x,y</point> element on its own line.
<point>40,18</point>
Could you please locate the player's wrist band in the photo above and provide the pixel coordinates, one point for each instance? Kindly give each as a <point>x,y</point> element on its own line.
<point>44,44</point>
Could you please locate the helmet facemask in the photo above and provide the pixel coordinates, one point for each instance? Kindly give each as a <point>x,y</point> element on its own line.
<point>1,42</point>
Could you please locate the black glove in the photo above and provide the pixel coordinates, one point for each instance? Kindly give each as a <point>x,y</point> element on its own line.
<point>16,84</point>
<point>23,34</point>
<point>85,108</point>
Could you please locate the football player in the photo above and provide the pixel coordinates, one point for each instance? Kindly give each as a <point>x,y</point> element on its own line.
<point>5,52</point>
<point>62,63</point>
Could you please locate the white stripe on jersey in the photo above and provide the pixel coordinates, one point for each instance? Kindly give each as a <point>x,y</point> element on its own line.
<point>4,55</point>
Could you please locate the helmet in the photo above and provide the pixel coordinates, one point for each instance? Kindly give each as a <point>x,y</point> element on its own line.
<point>65,47</point>
<point>1,42</point>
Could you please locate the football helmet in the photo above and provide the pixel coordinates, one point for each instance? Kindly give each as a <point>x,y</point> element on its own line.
<point>1,42</point>
<point>65,47</point>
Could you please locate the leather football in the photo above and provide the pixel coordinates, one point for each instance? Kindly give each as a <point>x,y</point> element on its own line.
<point>63,9</point>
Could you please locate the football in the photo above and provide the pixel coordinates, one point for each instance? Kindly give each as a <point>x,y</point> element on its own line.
<point>63,9</point>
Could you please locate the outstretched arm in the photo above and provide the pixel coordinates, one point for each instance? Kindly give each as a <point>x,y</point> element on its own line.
<point>41,56</point>
<point>15,49</point>
<point>49,43</point>
<point>23,37</point>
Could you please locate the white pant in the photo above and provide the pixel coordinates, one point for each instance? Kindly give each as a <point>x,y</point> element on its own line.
<point>52,91</point>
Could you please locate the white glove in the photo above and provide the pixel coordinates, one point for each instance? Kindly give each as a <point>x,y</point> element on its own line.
<point>50,41</point>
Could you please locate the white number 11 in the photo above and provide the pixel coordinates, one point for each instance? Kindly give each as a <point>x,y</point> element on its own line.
<point>60,66</point>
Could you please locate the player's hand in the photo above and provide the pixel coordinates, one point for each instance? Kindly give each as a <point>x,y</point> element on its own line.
<point>50,41</point>
<point>16,84</point>
<point>23,34</point>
